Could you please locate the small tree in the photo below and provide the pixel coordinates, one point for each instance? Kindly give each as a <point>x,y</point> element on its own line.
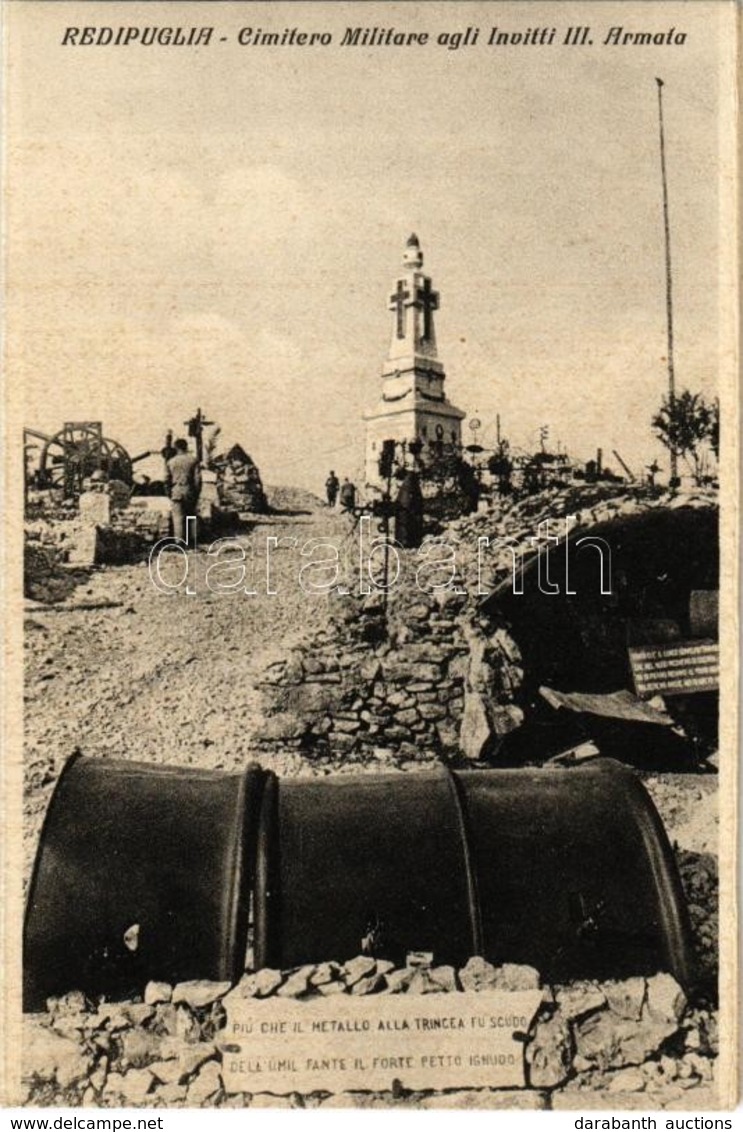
<point>683,425</point>
<point>713,427</point>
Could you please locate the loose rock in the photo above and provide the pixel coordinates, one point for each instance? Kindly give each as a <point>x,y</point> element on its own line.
<point>666,1002</point>
<point>53,1056</point>
<point>199,992</point>
<point>549,1054</point>
<point>207,1082</point>
<point>155,993</point>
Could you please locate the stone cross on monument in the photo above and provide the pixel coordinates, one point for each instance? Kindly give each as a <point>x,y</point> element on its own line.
<point>413,303</point>
<point>429,301</point>
<point>397,303</point>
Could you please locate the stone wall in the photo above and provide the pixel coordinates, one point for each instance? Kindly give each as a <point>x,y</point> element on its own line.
<point>428,675</point>
<point>60,539</point>
<point>629,1044</point>
<point>355,693</point>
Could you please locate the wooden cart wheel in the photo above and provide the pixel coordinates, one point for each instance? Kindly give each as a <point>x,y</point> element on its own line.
<point>75,452</point>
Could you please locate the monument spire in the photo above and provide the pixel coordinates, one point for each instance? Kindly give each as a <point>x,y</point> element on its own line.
<point>412,405</point>
<point>413,256</point>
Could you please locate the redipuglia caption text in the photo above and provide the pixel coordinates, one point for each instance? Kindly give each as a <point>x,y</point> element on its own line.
<point>573,35</point>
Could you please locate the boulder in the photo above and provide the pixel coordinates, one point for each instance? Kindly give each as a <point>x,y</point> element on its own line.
<point>297,983</point>
<point>397,982</point>
<point>359,968</point>
<point>328,989</point>
<point>627,1081</point>
<point>666,1002</point>
<point>72,1003</point>
<point>133,1087</point>
<point>423,983</point>
<point>478,974</point>
<point>549,1054</point>
<point>368,985</point>
<point>155,993</point>
<point>476,728</point>
<point>171,1094</point>
<point>138,1047</point>
<point>517,977</point>
<point>446,977</point>
<point>53,1057</point>
<point>626,998</point>
<point>325,973</point>
<point>610,1042</point>
<point>199,992</point>
<point>579,999</point>
<point>207,1082</point>
<point>267,981</point>
<point>183,1059</point>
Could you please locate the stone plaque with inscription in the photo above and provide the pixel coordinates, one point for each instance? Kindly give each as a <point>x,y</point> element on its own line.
<point>423,1041</point>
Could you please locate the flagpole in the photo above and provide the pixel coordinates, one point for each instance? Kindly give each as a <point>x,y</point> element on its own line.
<point>669,292</point>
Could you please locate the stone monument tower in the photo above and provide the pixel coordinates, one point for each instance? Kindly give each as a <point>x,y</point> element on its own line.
<point>412,403</point>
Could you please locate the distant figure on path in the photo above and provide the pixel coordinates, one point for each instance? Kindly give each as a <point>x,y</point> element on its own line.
<point>184,482</point>
<point>348,496</point>
<point>332,484</point>
<point>409,512</point>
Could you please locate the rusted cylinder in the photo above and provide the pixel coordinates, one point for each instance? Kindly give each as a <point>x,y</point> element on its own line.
<point>371,862</point>
<point>567,870</point>
<point>575,874</point>
<point>142,872</point>
<point>145,872</point>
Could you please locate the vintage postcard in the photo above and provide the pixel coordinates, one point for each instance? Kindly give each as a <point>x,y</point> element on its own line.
<point>370,556</point>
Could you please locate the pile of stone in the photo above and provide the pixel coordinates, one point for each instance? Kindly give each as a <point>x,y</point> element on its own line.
<point>149,519</point>
<point>396,701</point>
<point>621,1039</point>
<point>239,484</point>
<point>48,508</point>
<point>48,547</point>
<point>428,676</point>
<point>41,578</point>
<point>520,521</point>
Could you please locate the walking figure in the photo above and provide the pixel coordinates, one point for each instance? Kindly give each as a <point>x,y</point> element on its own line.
<point>348,496</point>
<point>331,488</point>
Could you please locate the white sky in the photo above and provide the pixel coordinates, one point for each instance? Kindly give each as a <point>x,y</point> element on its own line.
<point>221,227</point>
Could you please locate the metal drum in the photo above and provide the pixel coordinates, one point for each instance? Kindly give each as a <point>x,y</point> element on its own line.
<point>142,872</point>
<point>354,863</point>
<point>145,872</point>
<point>567,870</point>
<point>574,873</point>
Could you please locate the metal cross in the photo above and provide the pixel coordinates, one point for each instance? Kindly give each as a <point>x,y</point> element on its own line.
<point>398,301</point>
<point>429,300</point>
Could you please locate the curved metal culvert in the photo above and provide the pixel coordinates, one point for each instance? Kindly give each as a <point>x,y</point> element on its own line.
<point>569,871</point>
<point>142,872</point>
<point>145,872</point>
